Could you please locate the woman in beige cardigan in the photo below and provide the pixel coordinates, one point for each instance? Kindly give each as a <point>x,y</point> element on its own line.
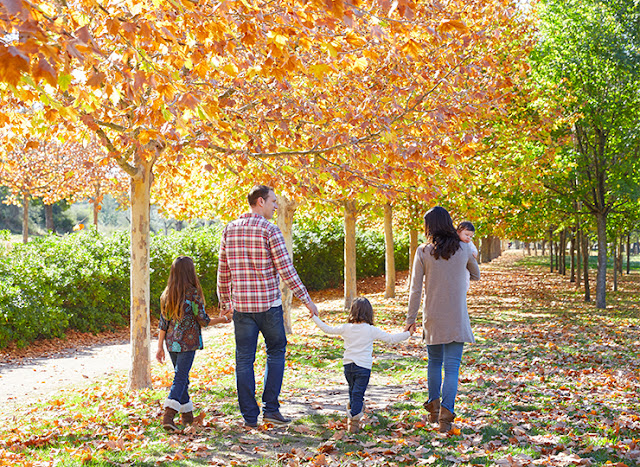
<point>441,265</point>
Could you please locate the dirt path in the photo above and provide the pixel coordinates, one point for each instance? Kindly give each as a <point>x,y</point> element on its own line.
<point>31,379</point>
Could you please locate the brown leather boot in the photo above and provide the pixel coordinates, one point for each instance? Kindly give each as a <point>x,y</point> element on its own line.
<point>186,418</point>
<point>167,419</point>
<point>433,408</point>
<point>446,419</point>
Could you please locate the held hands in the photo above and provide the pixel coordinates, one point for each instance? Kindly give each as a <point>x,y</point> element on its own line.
<point>411,328</point>
<point>313,309</point>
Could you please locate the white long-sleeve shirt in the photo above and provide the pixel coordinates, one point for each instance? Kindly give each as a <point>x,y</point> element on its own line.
<point>358,340</point>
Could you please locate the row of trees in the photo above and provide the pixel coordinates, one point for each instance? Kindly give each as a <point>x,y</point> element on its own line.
<point>362,106</point>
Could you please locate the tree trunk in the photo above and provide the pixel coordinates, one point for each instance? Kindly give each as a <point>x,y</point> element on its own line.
<point>286,210</point>
<point>389,263</point>
<point>563,252</point>
<point>628,253</point>
<point>140,371</point>
<point>544,247</point>
<point>96,205</point>
<point>578,254</point>
<point>485,249</point>
<point>413,246</point>
<point>585,265</point>
<point>48,218</point>
<point>620,250</point>
<point>551,249</point>
<point>572,253</point>
<point>601,277</point>
<point>615,264</point>
<point>25,218</point>
<point>350,282</point>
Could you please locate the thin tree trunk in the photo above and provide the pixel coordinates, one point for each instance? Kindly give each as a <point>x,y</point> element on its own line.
<point>140,371</point>
<point>551,249</point>
<point>350,282</point>
<point>286,210</point>
<point>561,253</point>
<point>601,277</point>
<point>389,263</point>
<point>628,253</point>
<point>413,246</point>
<point>96,205</point>
<point>585,265</point>
<point>620,250</point>
<point>48,218</point>
<point>25,218</point>
<point>615,264</point>
<point>578,254</point>
<point>572,252</point>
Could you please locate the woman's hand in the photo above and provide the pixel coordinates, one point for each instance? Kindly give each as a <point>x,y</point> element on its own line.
<point>411,328</point>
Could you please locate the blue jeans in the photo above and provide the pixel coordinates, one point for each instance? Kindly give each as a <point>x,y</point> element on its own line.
<point>449,357</point>
<point>358,379</point>
<point>247,326</point>
<point>182,362</point>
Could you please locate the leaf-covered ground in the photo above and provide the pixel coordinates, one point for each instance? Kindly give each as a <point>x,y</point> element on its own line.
<point>551,381</point>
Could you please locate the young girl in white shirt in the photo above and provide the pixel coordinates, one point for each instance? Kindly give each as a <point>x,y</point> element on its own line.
<point>358,334</point>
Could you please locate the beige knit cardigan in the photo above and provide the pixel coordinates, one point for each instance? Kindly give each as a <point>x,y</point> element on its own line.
<point>444,316</point>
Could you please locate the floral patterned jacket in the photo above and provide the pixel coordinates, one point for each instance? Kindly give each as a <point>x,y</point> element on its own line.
<point>185,334</point>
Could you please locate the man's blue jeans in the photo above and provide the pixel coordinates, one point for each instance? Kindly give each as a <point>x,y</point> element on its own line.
<point>182,362</point>
<point>247,326</point>
<point>449,357</point>
<point>358,379</point>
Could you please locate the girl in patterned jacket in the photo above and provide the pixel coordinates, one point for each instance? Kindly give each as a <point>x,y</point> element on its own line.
<point>181,318</point>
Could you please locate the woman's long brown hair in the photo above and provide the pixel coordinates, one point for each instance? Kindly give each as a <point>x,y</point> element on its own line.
<point>182,278</point>
<point>438,227</point>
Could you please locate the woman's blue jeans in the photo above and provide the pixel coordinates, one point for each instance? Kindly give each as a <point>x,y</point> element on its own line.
<point>358,379</point>
<point>182,362</point>
<point>447,356</point>
<point>247,326</point>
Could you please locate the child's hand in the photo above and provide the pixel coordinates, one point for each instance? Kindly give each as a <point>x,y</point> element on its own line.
<point>411,328</point>
<point>160,354</point>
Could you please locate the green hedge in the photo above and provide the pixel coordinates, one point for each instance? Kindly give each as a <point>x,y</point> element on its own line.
<point>81,280</point>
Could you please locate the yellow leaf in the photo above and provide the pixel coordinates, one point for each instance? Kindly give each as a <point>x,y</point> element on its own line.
<point>230,69</point>
<point>360,64</point>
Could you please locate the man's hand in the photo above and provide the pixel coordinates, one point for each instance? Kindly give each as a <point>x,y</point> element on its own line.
<point>313,309</point>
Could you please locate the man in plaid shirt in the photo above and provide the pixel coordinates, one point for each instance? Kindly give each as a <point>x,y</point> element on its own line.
<point>253,256</point>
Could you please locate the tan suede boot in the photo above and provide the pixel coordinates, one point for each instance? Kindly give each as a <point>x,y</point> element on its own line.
<point>353,422</point>
<point>446,419</point>
<point>433,408</point>
<point>167,419</point>
<point>186,418</point>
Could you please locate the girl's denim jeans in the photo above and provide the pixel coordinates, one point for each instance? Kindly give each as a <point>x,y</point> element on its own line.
<point>358,379</point>
<point>182,362</point>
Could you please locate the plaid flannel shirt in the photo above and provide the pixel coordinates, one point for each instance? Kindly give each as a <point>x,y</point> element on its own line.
<point>252,255</point>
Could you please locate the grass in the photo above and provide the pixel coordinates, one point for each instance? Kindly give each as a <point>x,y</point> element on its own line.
<point>550,381</point>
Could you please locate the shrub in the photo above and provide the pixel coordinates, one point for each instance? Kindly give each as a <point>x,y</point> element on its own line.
<point>81,280</point>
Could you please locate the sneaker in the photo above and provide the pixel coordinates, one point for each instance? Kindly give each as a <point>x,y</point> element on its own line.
<point>251,424</point>
<point>276,418</point>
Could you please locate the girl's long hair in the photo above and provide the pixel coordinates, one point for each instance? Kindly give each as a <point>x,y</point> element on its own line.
<point>361,311</point>
<point>438,227</point>
<point>182,278</point>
